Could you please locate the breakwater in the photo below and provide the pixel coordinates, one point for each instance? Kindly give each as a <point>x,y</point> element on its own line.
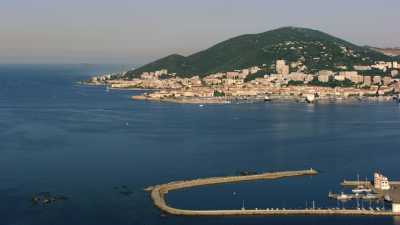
<point>159,191</point>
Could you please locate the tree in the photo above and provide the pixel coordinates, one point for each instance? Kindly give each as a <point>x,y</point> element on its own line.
<point>218,93</point>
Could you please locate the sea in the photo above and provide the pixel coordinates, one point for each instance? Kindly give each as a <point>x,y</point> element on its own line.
<point>99,149</point>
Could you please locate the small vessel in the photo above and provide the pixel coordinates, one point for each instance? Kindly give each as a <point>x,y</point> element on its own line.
<point>370,196</point>
<point>361,189</point>
<point>343,196</point>
<point>201,106</point>
<point>247,173</point>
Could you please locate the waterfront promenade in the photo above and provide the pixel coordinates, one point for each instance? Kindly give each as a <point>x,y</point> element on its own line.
<point>158,192</point>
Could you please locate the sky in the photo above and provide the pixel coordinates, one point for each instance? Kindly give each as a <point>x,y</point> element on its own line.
<point>139,31</point>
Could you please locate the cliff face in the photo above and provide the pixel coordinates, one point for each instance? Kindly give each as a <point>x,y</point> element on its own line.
<point>314,49</point>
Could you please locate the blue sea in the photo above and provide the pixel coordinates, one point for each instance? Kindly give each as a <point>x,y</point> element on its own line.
<point>100,149</point>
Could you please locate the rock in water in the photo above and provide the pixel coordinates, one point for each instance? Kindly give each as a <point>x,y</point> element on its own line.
<point>310,98</point>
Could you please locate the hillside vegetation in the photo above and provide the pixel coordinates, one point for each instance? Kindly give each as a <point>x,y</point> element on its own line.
<point>314,49</point>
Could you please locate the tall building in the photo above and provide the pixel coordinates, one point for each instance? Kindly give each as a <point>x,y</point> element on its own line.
<point>281,67</point>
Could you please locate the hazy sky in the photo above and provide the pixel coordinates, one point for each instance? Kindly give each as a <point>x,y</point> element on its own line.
<point>137,31</point>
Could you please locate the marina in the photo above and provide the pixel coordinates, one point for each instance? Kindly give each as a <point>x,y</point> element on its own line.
<point>158,193</point>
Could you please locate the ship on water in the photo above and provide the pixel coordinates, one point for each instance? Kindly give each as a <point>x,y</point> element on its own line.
<point>361,188</point>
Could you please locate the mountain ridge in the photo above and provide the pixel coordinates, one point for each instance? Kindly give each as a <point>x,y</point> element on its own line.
<point>313,48</point>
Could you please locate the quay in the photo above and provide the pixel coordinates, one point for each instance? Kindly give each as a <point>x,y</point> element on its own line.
<point>159,191</point>
<point>354,183</point>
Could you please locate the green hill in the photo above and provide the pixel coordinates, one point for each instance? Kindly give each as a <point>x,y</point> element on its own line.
<point>315,49</point>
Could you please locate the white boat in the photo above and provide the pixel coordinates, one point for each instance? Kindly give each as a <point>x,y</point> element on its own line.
<point>361,189</point>
<point>343,196</point>
<point>370,196</point>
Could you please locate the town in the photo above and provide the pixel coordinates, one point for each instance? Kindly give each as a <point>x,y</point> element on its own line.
<point>281,81</point>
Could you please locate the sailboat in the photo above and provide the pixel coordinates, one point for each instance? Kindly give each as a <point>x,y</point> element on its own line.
<point>361,188</point>
<point>343,197</point>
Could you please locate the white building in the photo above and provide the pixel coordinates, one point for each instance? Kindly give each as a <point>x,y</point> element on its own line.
<point>361,67</point>
<point>394,73</point>
<point>381,182</point>
<point>381,65</point>
<point>395,65</point>
<point>281,67</point>
<point>254,69</point>
<point>340,77</point>
<point>394,197</point>
<point>396,206</point>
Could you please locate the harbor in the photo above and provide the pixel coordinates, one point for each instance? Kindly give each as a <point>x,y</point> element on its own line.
<point>362,190</point>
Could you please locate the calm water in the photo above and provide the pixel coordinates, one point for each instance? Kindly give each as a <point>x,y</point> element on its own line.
<point>83,142</point>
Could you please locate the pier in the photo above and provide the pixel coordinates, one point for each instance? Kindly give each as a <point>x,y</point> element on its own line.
<point>354,183</point>
<point>159,191</point>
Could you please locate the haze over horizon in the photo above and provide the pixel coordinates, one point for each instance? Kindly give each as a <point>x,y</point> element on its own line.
<point>137,32</point>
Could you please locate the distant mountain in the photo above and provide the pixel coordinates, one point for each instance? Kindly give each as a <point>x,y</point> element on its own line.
<point>314,49</point>
<point>388,51</point>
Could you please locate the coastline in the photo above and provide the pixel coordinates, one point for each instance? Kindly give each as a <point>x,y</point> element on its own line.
<point>152,95</point>
<point>260,99</point>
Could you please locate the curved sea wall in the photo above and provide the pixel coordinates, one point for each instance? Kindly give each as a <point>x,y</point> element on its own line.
<point>159,191</point>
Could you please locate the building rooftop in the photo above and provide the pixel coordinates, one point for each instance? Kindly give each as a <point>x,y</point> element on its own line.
<point>394,195</point>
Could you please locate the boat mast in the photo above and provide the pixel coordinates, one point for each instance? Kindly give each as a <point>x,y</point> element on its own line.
<point>358,204</point>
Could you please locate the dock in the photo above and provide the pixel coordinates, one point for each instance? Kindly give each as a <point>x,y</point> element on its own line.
<point>353,183</point>
<point>159,191</point>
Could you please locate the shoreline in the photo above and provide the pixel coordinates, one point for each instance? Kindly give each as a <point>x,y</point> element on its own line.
<point>261,99</point>
<point>278,98</point>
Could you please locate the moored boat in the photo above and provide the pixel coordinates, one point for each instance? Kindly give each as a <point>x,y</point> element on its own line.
<point>361,189</point>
